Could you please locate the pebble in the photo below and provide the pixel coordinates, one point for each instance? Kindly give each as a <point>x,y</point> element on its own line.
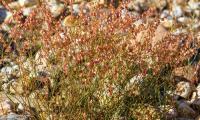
<point>26,11</point>
<point>56,9</point>
<point>194,5</point>
<point>27,3</point>
<point>177,11</point>
<point>165,13</point>
<point>184,89</point>
<point>14,5</point>
<point>184,20</point>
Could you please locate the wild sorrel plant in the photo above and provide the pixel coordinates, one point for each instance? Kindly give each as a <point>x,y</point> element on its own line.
<point>89,62</point>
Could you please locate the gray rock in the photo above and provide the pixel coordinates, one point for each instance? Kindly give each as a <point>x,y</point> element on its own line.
<point>185,111</point>
<point>4,15</point>
<point>196,104</point>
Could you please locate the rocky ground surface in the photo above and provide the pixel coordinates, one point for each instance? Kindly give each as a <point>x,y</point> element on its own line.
<point>177,16</point>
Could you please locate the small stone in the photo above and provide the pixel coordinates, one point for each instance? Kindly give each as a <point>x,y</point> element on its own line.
<point>198,90</point>
<point>184,20</point>
<point>179,31</point>
<point>138,23</point>
<point>177,11</point>
<point>164,14</point>
<point>184,89</point>
<point>194,97</point>
<point>14,5</point>
<point>26,11</point>
<point>197,13</point>
<point>76,9</point>
<point>56,9</point>
<point>194,4</point>
<point>20,108</point>
<point>27,3</point>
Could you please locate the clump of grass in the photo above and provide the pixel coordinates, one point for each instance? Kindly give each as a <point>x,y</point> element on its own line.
<point>91,62</point>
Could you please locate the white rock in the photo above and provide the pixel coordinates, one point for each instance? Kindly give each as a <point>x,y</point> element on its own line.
<point>20,108</point>
<point>27,3</point>
<point>177,11</point>
<point>198,90</point>
<point>56,9</point>
<point>194,97</point>
<point>184,20</point>
<point>138,23</point>
<point>26,11</point>
<point>194,5</point>
<point>179,31</point>
<point>7,70</point>
<point>76,9</point>
<point>164,14</point>
<point>14,5</point>
<point>197,13</point>
<point>184,89</point>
